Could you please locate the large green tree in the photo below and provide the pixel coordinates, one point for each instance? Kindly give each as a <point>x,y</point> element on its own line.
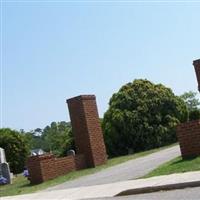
<point>141,116</point>
<point>16,148</point>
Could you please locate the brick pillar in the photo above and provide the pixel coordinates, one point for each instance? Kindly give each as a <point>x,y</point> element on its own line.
<point>87,130</point>
<point>189,133</point>
<point>189,138</point>
<point>196,64</point>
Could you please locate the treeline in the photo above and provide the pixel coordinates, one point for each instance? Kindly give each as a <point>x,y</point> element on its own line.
<point>56,138</point>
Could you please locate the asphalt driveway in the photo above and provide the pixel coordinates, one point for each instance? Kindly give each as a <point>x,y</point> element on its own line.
<point>132,169</point>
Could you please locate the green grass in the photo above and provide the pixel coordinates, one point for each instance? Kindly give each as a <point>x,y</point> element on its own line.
<point>177,165</point>
<point>22,186</point>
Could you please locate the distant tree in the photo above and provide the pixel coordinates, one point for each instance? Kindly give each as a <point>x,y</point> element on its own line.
<point>141,116</point>
<point>16,148</point>
<point>35,141</point>
<point>191,100</point>
<point>57,137</point>
<point>37,132</point>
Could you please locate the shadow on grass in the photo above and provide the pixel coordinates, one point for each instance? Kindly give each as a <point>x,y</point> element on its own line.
<point>182,160</point>
<point>27,185</point>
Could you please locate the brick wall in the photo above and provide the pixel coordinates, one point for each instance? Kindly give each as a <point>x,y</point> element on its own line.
<point>34,167</point>
<point>189,138</point>
<point>80,162</point>
<point>46,167</point>
<point>87,130</point>
<point>90,147</point>
<point>196,64</point>
<point>64,165</point>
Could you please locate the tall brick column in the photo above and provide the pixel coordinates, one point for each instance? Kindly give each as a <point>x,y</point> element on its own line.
<point>87,130</point>
<point>196,64</point>
<point>189,138</point>
<point>189,133</point>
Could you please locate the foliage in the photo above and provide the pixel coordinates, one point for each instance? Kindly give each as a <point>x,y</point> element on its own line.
<point>194,115</point>
<point>191,100</point>
<point>142,116</point>
<point>193,103</point>
<point>33,139</point>
<point>57,138</point>
<point>16,148</point>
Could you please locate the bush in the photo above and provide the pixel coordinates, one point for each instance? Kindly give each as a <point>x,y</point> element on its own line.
<point>16,149</point>
<point>194,115</point>
<point>142,116</point>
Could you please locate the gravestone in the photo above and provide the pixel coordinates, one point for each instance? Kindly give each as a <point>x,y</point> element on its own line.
<point>5,171</point>
<point>71,152</point>
<point>2,155</point>
<point>4,166</point>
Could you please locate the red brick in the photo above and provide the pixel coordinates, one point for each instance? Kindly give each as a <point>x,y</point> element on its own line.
<point>45,167</point>
<point>88,139</point>
<point>196,64</point>
<point>189,138</point>
<point>87,130</point>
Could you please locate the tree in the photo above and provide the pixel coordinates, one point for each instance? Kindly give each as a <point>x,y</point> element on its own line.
<point>191,100</point>
<point>16,148</point>
<point>34,140</point>
<point>58,137</point>
<point>141,116</point>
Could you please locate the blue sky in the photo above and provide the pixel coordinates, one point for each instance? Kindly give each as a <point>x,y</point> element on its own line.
<point>56,50</point>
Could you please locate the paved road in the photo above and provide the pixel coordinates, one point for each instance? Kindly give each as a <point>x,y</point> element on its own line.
<point>184,194</point>
<point>126,171</point>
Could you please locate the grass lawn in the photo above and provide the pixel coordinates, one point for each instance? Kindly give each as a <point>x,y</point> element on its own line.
<point>22,186</point>
<point>176,165</point>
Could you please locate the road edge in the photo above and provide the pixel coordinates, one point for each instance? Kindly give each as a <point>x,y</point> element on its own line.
<point>159,188</point>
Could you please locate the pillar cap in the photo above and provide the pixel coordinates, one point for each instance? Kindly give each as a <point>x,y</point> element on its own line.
<point>196,62</point>
<point>82,97</point>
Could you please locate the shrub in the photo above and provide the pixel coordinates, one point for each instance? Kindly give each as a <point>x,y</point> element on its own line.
<point>141,116</point>
<point>16,149</point>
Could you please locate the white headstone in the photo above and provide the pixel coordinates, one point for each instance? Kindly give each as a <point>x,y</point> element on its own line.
<point>2,156</point>
<point>5,170</point>
<point>4,166</point>
<point>71,152</point>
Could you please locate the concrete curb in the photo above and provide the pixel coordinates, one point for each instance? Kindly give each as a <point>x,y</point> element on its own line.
<point>159,188</point>
<point>131,187</point>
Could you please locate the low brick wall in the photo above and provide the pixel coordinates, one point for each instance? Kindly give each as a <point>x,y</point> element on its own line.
<point>64,165</point>
<point>46,167</point>
<point>34,168</point>
<point>189,138</point>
